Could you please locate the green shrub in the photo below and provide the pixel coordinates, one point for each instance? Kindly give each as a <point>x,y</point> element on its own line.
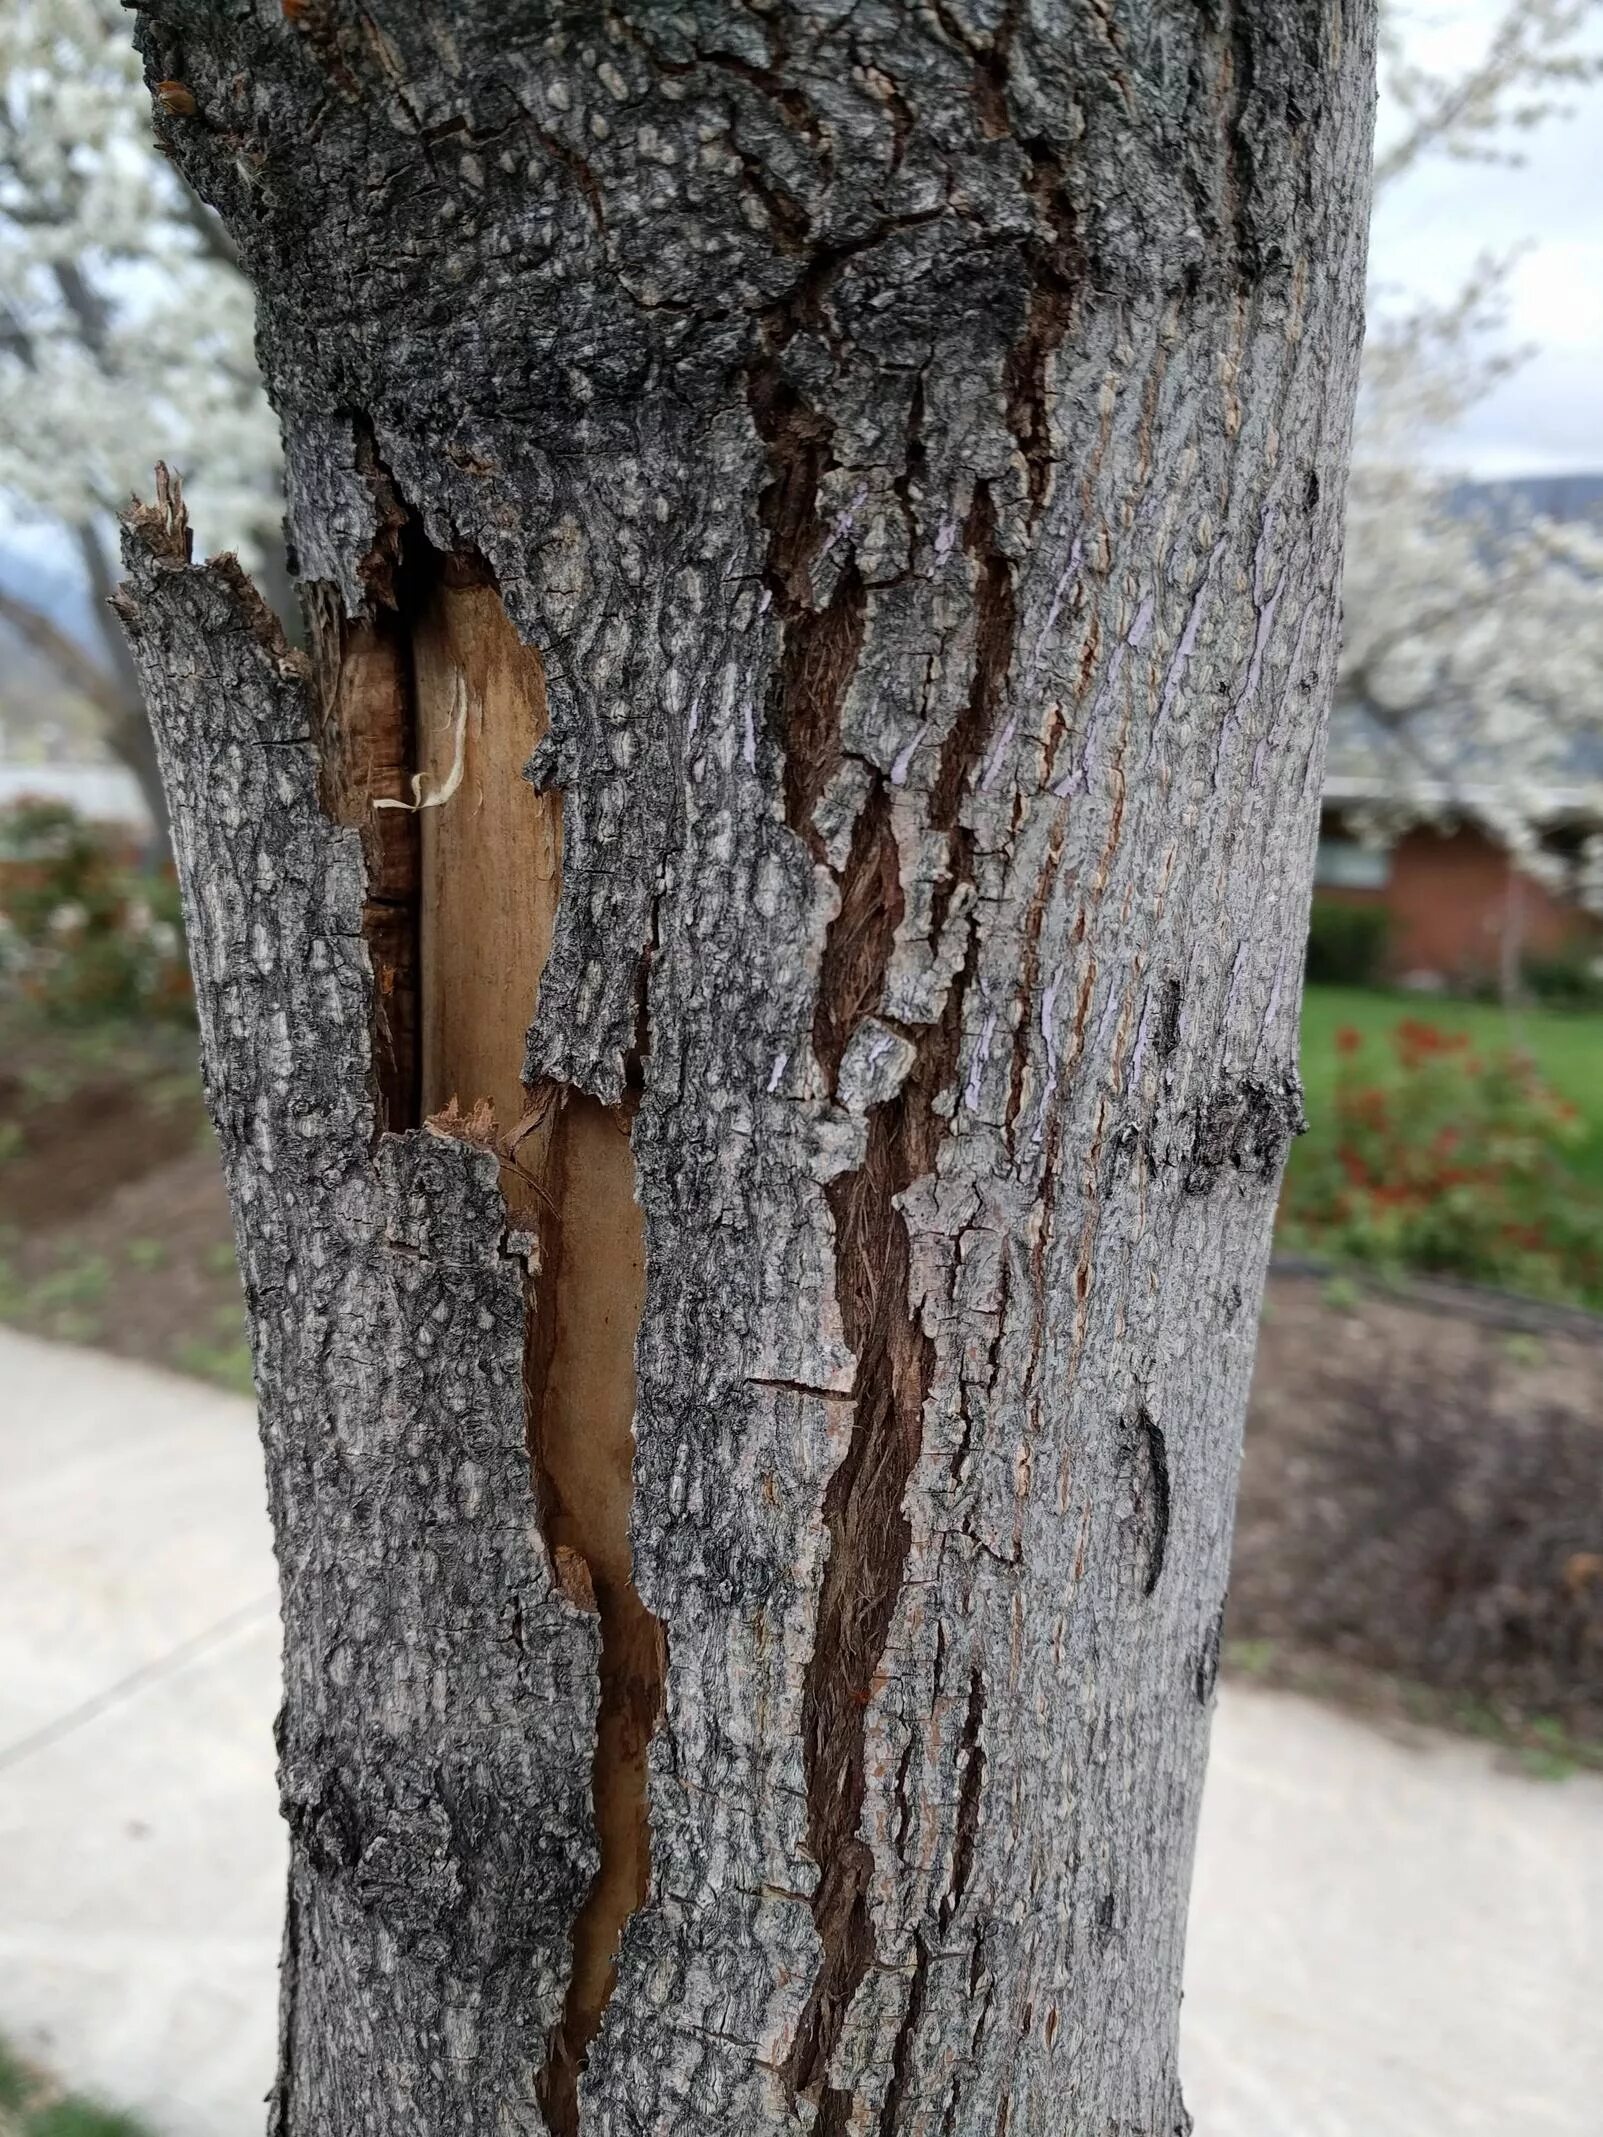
<point>80,2118</point>
<point>33,2105</point>
<point>16,2082</point>
<point>1449,1161</point>
<point>1346,944</point>
<point>1571,978</point>
<point>82,936</point>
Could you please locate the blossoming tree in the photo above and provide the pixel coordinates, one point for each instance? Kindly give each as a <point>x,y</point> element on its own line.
<point>125,331</point>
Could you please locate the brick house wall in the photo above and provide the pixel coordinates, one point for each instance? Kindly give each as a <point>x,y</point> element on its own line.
<point>1452,898</point>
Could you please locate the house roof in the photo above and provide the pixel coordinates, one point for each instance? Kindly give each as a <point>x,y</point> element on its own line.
<point>1367,761</point>
<point>1556,806</point>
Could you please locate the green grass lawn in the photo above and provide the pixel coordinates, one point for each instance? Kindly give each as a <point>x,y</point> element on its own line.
<point>1567,1045</point>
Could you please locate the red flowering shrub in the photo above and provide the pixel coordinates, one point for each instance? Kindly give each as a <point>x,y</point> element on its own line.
<point>1448,1160</point>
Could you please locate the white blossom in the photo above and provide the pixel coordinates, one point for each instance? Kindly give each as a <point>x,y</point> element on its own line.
<point>125,329</point>
<point>1472,665</point>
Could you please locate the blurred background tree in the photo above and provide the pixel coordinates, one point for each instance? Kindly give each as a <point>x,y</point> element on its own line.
<point>1473,637</point>
<point>125,336</point>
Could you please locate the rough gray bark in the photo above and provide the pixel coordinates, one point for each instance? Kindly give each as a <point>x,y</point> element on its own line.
<point>913,439</point>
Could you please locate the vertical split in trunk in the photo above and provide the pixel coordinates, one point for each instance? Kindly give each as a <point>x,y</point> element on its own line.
<point>869,1532</point>
<point>464,890</point>
<point>581,1404</point>
<point>868,1529</point>
<point>366,752</point>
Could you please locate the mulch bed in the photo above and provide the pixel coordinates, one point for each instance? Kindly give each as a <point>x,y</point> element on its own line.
<point>1422,1506</point>
<point>73,1150</point>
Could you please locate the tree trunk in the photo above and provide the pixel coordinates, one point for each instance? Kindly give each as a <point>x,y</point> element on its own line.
<point>881,465</point>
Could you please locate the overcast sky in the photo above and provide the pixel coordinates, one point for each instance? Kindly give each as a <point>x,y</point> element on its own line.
<point>1431,226</point>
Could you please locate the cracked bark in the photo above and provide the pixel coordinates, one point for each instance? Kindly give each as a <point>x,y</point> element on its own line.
<point>752,1230</point>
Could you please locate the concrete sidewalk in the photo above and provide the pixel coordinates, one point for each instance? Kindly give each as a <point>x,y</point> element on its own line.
<point>1388,1939</point>
<point>141,1862</point>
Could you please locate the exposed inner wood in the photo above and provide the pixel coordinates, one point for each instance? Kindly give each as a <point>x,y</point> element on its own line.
<point>491,865</point>
<point>491,858</point>
<point>581,1412</point>
<point>368,750</point>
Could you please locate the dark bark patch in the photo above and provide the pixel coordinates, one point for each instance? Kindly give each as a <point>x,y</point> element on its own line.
<point>971,1751</point>
<point>386,1837</point>
<point>332,42</point>
<point>1166,1018</point>
<point>1142,1508</point>
<point>1206,1673</point>
<point>1245,1126</point>
<point>1237,73</point>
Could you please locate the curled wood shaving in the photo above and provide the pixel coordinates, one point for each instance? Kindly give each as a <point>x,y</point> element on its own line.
<point>453,778</point>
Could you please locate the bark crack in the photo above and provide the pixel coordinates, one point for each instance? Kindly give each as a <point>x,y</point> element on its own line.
<point>437,671</point>
<point>1143,1497</point>
<point>869,1533</point>
<point>1057,267</point>
<point>970,1789</point>
<point>584,1308</point>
